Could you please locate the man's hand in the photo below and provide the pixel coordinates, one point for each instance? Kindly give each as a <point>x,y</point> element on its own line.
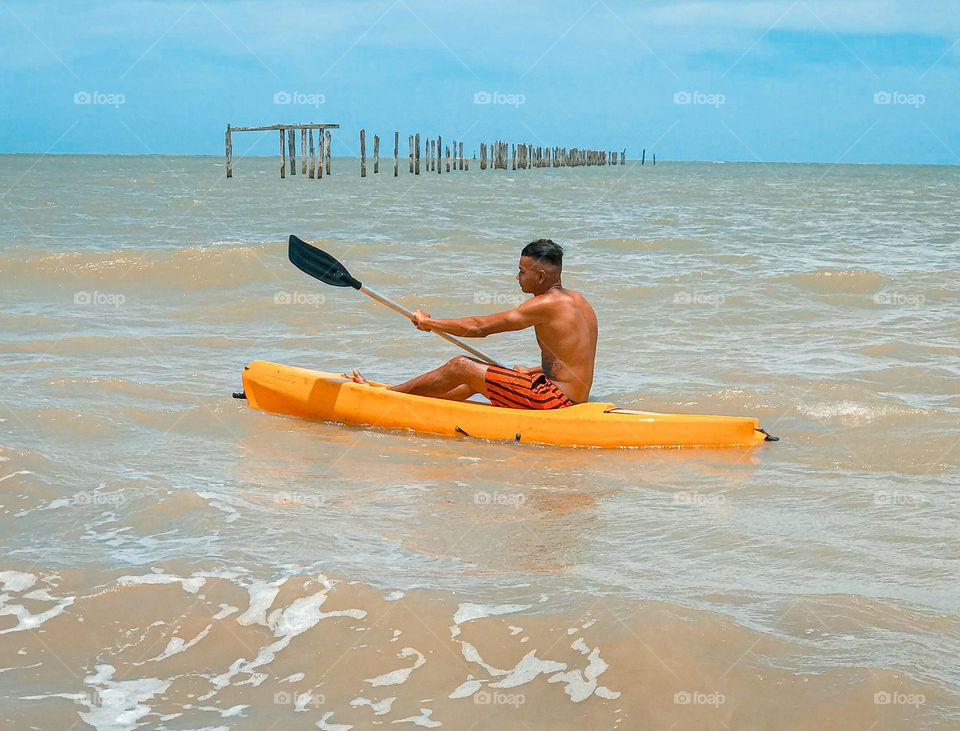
<point>419,320</point>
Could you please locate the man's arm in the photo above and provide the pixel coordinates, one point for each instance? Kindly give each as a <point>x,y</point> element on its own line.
<point>525,315</point>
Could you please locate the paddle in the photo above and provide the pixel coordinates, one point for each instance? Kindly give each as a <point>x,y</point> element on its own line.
<point>320,265</point>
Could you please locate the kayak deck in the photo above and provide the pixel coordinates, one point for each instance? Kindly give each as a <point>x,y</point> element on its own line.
<point>293,391</point>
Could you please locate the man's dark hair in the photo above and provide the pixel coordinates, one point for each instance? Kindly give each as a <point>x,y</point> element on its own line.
<point>546,251</point>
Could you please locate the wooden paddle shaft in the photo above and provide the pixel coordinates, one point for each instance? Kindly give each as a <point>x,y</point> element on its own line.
<point>406,313</point>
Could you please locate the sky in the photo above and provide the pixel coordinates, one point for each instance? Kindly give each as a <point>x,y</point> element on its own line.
<point>828,81</point>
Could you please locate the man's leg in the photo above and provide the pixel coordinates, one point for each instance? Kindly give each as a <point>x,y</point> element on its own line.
<point>457,379</point>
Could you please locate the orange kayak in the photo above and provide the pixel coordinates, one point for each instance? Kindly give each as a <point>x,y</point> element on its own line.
<point>283,389</point>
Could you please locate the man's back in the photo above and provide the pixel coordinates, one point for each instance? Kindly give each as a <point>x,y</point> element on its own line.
<point>568,342</point>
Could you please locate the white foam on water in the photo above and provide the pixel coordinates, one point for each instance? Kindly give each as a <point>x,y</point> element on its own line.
<point>26,620</point>
<point>191,584</point>
<point>529,667</point>
<point>121,703</point>
<point>301,701</point>
<point>324,726</point>
<point>21,667</point>
<point>467,688</point>
<point>393,596</point>
<point>470,654</point>
<point>303,614</point>
<point>262,595</point>
<point>580,646</point>
<point>293,678</point>
<point>422,720</point>
<point>225,611</point>
<point>580,685</point>
<point>514,630</point>
<point>468,612</point>
<point>379,709</point>
<point>14,474</point>
<point>396,677</point>
<point>177,645</point>
<point>233,711</point>
<point>17,581</point>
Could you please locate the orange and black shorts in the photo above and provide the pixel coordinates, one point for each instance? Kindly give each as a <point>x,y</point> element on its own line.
<point>514,390</point>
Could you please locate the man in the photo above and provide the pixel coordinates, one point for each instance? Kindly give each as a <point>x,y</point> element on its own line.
<point>566,329</point>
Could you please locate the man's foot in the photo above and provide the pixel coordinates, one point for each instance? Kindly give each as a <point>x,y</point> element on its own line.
<point>356,376</point>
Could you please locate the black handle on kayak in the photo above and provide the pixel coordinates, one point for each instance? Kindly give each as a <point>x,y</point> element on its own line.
<point>320,265</point>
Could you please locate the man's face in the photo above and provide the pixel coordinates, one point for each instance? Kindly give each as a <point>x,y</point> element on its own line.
<point>528,275</point>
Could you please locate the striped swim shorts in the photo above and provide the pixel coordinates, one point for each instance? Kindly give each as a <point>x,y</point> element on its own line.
<point>514,390</point>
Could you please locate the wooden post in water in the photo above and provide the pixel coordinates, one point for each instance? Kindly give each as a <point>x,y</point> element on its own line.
<point>376,154</point>
<point>643,157</point>
<point>439,152</point>
<point>283,155</point>
<point>320,155</point>
<point>483,155</point>
<point>228,151</point>
<point>410,146</point>
<point>446,157</point>
<point>326,150</point>
<point>461,156</point>
<point>292,140</point>
<point>303,150</point>
<point>363,153</point>
<point>417,151</point>
<point>654,159</point>
<point>313,156</point>
<point>396,154</point>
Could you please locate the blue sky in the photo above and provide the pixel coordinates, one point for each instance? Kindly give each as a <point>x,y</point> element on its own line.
<point>858,81</point>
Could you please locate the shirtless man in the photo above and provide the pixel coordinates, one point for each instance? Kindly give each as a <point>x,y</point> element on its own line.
<point>566,328</point>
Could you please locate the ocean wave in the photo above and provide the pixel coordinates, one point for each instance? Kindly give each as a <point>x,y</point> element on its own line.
<point>838,281</point>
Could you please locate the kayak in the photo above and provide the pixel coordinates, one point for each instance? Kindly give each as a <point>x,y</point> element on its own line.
<point>293,391</point>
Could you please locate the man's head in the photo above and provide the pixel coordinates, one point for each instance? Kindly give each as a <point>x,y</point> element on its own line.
<point>541,262</point>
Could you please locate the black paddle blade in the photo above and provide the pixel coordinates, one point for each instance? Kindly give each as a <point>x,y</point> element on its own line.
<point>319,264</point>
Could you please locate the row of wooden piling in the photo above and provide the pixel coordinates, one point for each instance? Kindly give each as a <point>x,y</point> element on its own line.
<point>436,157</point>
<point>523,156</point>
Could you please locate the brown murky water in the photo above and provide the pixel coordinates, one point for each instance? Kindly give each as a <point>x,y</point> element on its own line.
<point>174,560</point>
